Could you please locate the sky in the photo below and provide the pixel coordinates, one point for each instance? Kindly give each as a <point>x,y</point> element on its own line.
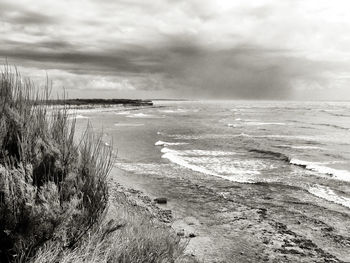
<point>195,49</point>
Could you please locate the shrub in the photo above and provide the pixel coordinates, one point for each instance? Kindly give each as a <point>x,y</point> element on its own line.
<point>51,187</point>
<point>54,195</point>
<point>127,234</point>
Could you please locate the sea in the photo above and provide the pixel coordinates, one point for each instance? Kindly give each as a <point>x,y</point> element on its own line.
<point>301,147</point>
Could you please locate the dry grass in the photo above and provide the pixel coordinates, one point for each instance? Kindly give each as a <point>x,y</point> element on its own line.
<point>128,238</point>
<point>125,233</point>
<point>54,192</point>
<point>50,186</point>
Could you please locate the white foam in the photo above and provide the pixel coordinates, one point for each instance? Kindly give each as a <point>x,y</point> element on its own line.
<point>204,136</point>
<point>93,109</point>
<point>296,137</point>
<point>79,116</point>
<point>211,163</point>
<point>143,115</point>
<point>209,153</point>
<point>329,195</point>
<point>264,123</point>
<point>198,152</point>
<point>241,135</point>
<point>306,147</point>
<point>128,124</point>
<point>143,168</point>
<point>174,111</point>
<point>180,161</point>
<point>342,175</point>
<point>161,143</point>
<point>122,112</point>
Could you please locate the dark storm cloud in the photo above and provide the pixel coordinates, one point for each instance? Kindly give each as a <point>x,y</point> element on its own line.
<point>245,72</point>
<point>242,72</point>
<point>212,49</point>
<point>91,62</point>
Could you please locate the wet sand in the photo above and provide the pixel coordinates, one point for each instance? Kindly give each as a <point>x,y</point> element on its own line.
<point>232,222</point>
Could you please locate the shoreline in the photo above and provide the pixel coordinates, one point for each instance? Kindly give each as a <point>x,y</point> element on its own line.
<point>96,101</point>
<point>235,225</point>
<point>129,201</point>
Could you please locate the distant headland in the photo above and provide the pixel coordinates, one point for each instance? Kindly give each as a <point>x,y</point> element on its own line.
<point>87,102</point>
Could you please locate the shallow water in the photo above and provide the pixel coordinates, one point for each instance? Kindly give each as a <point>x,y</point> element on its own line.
<point>217,161</point>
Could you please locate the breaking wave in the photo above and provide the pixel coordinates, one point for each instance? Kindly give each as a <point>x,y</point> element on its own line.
<point>329,195</point>
<point>271,154</point>
<point>143,115</point>
<point>304,147</point>
<point>342,175</point>
<point>215,163</point>
<point>128,124</point>
<point>333,126</point>
<point>319,168</point>
<point>161,143</point>
<point>78,116</point>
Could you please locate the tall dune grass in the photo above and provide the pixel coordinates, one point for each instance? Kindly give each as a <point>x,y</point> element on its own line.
<point>51,188</point>
<point>131,236</point>
<point>55,204</point>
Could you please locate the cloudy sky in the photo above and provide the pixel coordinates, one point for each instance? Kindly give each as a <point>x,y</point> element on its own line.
<point>258,49</point>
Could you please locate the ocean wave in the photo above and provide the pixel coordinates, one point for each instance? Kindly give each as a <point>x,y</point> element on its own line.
<point>143,168</point>
<point>253,123</point>
<point>161,143</point>
<point>78,116</point>
<point>306,147</point>
<point>277,136</point>
<point>94,109</point>
<point>198,152</point>
<point>122,112</point>
<point>144,116</point>
<point>171,156</point>
<point>128,124</point>
<point>329,195</point>
<point>200,136</point>
<point>332,112</point>
<point>332,126</point>
<point>271,154</point>
<point>342,175</point>
<point>174,111</point>
<point>212,163</point>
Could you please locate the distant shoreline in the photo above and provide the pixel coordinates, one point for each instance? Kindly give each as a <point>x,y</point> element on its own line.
<point>85,102</point>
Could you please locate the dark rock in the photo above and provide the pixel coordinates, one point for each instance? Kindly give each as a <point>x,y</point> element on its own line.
<point>262,212</point>
<point>161,200</point>
<point>181,233</point>
<point>265,241</point>
<point>191,235</point>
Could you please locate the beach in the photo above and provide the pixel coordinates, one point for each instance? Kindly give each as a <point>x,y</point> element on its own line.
<point>245,181</point>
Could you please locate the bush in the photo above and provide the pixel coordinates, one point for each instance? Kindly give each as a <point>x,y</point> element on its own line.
<point>51,187</point>
<point>127,233</point>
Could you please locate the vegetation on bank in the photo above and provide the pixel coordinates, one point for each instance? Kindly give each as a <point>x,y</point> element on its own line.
<point>87,102</point>
<point>55,204</point>
<point>50,187</point>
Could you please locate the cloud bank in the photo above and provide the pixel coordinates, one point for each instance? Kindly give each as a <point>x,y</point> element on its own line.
<point>268,49</point>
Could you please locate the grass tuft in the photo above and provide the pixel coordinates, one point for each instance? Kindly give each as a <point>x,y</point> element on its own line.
<point>55,204</point>
<point>51,188</point>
